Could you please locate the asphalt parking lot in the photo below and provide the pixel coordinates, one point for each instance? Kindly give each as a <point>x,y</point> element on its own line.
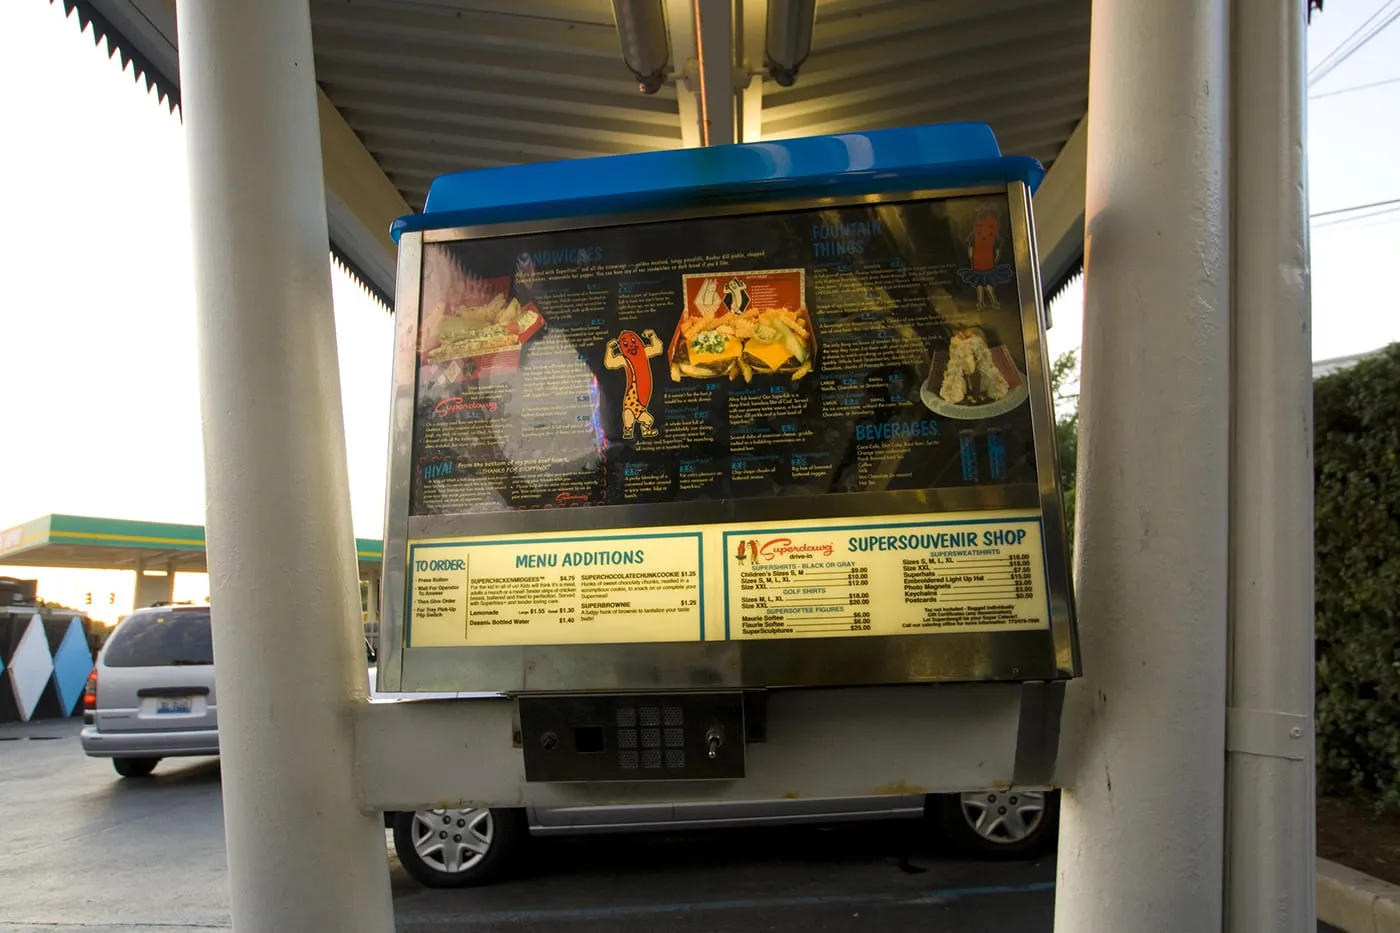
<point>81,850</point>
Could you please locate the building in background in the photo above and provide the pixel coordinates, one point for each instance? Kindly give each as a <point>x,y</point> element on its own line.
<point>46,654</point>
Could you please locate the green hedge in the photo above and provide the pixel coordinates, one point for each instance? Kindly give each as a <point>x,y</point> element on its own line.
<point>1357,501</point>
<point>1064,372</point>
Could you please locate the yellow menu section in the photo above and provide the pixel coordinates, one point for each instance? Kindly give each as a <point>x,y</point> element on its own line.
<point>843,578</point>
<point>560,590</point>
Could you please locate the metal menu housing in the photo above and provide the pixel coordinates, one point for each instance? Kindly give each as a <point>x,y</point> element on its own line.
<point>795,442</point>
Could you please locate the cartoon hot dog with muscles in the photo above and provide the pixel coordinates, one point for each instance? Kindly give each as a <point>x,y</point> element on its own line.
<point>635,354</point>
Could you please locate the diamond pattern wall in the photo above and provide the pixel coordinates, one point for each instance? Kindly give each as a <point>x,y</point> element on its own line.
<point>45,660</point>
<point>31,666</point>
<point>72,663</point>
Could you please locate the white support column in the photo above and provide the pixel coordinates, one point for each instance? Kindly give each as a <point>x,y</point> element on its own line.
<point>753,15</point>
<point>680,26</point>
<point>702,54</point>
<point>373,596</point>
<point>1141,845</point>
<point>155,587</point>
<point>301,854</point>
<point>1271,863</point>
<point>714,21</point>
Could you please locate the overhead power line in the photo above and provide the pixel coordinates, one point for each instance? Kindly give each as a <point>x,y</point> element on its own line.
<point>1388,13</point>
<point>1352,210</point>
<point>1389,215</point>
<point>1354,87</point>
<point>1352,217</point>
<point>1349,44</point>
<point>1383,219</point>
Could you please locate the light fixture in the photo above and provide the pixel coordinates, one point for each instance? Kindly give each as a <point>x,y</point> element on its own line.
<point>789,39</point>
<point>641,29</point>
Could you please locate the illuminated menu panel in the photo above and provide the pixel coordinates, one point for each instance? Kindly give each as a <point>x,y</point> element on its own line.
<point>672,378</point>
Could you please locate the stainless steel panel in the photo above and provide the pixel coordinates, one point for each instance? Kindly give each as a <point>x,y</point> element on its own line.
<point>394,579</point>
<point>1047,451</point>
<point>908,502</point>
<point>1038,734</point>
<point>947,658</point>
<point>633,737</point>
<point>958,657</point>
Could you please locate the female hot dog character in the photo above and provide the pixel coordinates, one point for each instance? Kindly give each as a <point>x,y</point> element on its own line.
<point>635,354</point>
<point>984,271</point>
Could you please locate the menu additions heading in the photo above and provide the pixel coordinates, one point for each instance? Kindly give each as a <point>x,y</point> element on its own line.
<point>780,355</point>
<point>558,591</point>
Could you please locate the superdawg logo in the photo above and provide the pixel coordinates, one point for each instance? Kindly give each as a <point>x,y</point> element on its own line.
<point>781,549</point>
<point>456,405</point>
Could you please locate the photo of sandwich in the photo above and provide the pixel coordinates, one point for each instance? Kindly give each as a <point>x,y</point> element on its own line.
<point>972,378</point>
<point>742,324</point>
<point>493,327</point>
<point>470,325</point>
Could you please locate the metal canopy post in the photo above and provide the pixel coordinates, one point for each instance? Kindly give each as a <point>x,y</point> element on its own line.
<point>301,854</point>
<point>1141,845</point>
<point>1271,833</point>
<point>152,589</point>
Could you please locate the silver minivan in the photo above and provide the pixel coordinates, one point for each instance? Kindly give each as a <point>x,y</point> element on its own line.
<point>151,693</point>
<point>151,696</point>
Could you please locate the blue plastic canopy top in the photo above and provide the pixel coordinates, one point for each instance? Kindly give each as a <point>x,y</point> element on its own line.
<point>948,155</point>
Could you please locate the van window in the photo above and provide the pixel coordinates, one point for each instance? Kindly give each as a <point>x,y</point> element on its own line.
<point>162,639</point>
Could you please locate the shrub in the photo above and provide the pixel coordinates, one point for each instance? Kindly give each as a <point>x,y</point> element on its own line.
<point>1357,502</point>
<point>1063,372</point>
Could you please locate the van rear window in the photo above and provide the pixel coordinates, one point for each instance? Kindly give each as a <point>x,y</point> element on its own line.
<point>162,639</point>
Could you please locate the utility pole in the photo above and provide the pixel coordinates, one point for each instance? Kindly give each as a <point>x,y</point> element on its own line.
<point>1271,854</point>
<point>1142,835</point>
<point>282,571</point>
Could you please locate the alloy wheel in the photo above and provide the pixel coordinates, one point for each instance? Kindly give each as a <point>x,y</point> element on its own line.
<point>452,840</point>
<point>1004,817</point>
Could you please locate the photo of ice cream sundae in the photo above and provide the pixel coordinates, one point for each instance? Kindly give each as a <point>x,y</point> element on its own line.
<point>972,378</point>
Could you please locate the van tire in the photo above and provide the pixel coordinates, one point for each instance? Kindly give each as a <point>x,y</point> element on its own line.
<point>135,767</point>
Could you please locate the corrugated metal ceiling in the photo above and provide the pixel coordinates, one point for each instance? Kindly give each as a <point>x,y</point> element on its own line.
<point>437,86</point>
<point>1020,65</point>
<point>446,86</point>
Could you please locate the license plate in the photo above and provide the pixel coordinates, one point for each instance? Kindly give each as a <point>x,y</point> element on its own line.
<point>167,706</point>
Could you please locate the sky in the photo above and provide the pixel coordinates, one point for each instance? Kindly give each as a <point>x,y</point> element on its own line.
<point>100,409</point>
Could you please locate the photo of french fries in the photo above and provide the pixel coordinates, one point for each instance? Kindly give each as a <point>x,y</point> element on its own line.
<point>743,324</point>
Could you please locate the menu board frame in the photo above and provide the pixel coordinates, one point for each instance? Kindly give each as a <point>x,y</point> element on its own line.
<point>1050,653</point>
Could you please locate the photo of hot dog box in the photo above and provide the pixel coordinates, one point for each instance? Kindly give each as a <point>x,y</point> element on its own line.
<point>742,324</point>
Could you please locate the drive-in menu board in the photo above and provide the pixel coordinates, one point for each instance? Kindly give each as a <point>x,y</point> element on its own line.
<point>769,357</point>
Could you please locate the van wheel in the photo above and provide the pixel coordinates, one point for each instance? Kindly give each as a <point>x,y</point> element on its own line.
<point>1010,824</point>
<point>135,767</point>
<point>458,848</point>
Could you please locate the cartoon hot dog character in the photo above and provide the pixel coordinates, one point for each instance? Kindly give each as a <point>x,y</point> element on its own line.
<point>985,269</point>
<point>635,354</point>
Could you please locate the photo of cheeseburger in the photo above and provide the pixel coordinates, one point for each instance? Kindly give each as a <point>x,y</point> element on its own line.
<point>743,324</point>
